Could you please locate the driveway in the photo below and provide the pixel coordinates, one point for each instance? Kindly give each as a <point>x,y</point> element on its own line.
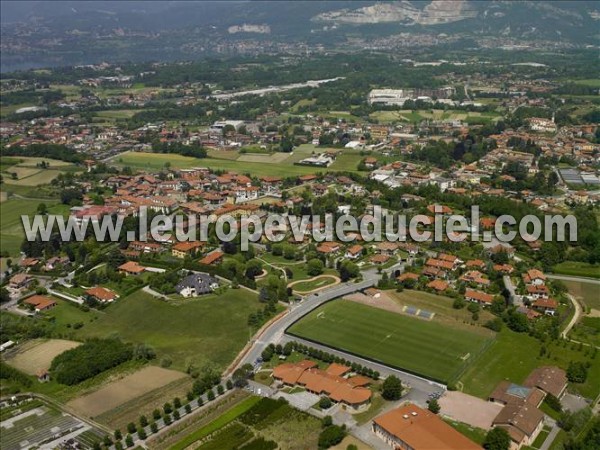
<point>573,402</point>
<point>468,409</point>
<point>300,400</point>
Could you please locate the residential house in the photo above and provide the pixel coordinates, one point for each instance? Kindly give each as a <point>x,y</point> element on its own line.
<point>480,297</point>
<point>354,252</point>
<point>40,302</point>
<point>19,281</point>
<point>131,268</point>
<point>102,294</point>
<point>183,249</point>
<point>196,284</point>
<point>212,258</point>
<point>547,306</point>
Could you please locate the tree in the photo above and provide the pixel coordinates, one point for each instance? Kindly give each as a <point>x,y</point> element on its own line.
<point>42,209</point>
<point>143,421</point>
<point>497,439</point>
<point>167,408</point>
<point>129,441</point>
<point>131,427</point>
<point>434,406</point>
<point>177,402</point>
<point>118,435</point>
<point>210,395</point>
<point>156,414</point>
<point>142,433</point>
<point>392,388</point>
<point>348,270</point>
<point>153,427</point>
<point>314,267</point>
<point>229,385</point>
<point>331,436</point>
<point>4,295</point>
<point>577,372</point>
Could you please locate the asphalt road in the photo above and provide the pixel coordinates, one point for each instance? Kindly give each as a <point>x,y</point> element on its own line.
<point>275,332</point>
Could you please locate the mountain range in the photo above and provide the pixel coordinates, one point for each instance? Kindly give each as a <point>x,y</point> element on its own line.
<point>38,33</point>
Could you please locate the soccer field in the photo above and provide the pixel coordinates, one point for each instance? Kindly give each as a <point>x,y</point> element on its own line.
<point>426,348</point>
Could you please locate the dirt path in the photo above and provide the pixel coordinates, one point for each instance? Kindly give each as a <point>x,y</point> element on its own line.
<point>575,317</point>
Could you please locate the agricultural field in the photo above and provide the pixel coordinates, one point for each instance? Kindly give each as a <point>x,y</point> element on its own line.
<point>512,356</point>
<point>25,171</point>
<point>39,427</point>
<point>427,348</point>
<point>37,354</point>
<point>119,392</point>
<point>577,269</point>
<point>212,328</point>
<point>586,293</point>
<point>259,423</point>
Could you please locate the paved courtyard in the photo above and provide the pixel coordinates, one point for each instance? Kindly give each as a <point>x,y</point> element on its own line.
<point>468,409</point>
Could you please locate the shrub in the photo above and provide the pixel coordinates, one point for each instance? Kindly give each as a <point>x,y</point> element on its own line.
<point>330,436</point>
<point>325,403</point>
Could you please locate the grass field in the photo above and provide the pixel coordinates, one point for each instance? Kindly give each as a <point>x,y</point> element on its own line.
<point>315,283</point>
<point>256,164</point>
<point>430,349</point>
<point>207,329</point>
<point>438,304</point>
<point>126,389</point>
<point>512,356</point>
<point>577,269</point>
<point>11,228</point>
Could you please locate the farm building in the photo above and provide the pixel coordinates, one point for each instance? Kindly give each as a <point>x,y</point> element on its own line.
<point>411,427</point>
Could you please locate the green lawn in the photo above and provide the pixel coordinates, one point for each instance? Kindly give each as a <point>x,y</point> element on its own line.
<point>512,356</point>
<point>427,348</point>
<point>477,435</point>
<point>321,282</point>
<point>206,329</point>
<point>577,269</point>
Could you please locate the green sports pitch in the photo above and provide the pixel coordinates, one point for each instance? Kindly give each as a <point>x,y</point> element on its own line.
<point>432,349</point>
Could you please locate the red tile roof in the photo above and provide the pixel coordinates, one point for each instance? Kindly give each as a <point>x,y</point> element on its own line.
<point>422,430</point>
